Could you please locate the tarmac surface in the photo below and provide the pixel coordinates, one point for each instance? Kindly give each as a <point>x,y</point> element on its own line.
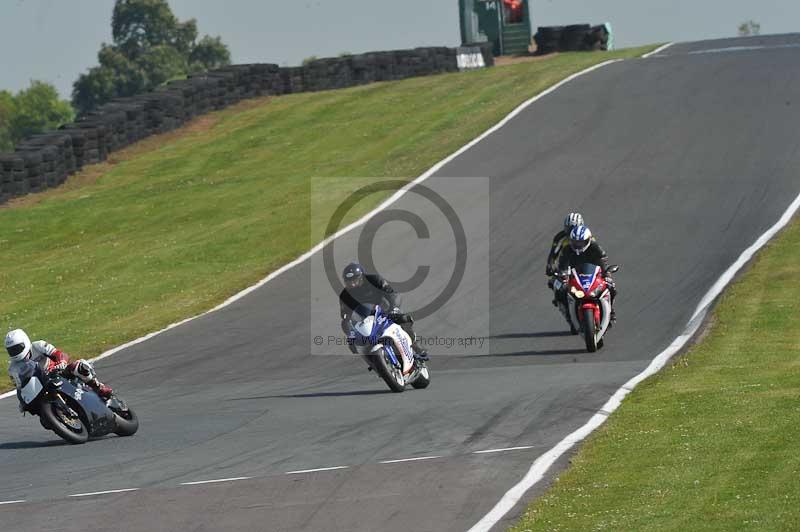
<point>678,162</point>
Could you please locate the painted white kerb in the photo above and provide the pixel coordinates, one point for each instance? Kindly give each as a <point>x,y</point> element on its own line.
<point>543,463</point>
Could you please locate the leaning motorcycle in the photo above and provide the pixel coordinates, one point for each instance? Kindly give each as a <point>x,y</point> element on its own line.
<point>72,409</point>
<point>589,303</point>
<point>386,348</point>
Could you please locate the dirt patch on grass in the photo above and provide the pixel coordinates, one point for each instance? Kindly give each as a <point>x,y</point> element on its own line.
<point>515,59</point>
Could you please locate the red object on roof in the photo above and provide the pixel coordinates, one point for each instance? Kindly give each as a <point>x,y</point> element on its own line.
<point>515,8</point>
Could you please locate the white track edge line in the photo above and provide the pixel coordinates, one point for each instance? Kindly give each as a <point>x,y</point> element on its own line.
<point>103,492</point>
<point>487,451</point>
<point>396,196</point>
<point>543,463</point>
<point>415,459</point>
<point>301,471</point>
<point>657,50</point>
<point>213,481</point>
<point>12,502</point>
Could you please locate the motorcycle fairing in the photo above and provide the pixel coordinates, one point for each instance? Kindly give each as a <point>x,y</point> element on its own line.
<point>31,390</point>
<point>397,341</point>
<point>99,418</point>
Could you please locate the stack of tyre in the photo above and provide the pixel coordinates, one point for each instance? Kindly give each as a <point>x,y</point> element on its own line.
<point>573,38</point>
<point>44,161</point>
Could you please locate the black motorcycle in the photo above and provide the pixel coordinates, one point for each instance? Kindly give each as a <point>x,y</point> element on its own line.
<point>72,409</point>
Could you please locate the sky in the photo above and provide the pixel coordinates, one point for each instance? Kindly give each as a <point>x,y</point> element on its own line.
<point>56,40</point>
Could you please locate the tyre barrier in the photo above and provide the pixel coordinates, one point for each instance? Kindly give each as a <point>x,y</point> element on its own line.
<point>573,38</point>
<point>45,160</point>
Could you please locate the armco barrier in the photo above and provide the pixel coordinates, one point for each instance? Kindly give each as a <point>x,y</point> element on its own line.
<point>45,160</point>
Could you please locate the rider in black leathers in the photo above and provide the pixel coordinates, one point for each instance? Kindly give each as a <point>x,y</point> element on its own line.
<point>561,242</point>
<point>371,289</point>
<point>582,249</point>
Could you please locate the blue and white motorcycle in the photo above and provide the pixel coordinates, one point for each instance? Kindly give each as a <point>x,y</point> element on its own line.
<point>386,347</point>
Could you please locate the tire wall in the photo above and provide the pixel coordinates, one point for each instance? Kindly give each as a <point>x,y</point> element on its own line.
<point>574,38</point>
<point>45,160</point>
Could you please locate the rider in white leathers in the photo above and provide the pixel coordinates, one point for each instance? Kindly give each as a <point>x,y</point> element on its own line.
<point>49,358</point>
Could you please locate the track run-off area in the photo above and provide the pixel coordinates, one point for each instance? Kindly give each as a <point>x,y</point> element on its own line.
<point>679,162</point>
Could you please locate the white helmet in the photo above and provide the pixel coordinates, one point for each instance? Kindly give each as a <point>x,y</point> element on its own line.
<point>573,219</point>
<point>18,345</point>
<point>580,238</point>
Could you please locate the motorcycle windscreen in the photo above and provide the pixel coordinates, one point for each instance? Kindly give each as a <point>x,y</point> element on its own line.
<point>31,390</point>
<point>586,274</point>
<point>31,384</point>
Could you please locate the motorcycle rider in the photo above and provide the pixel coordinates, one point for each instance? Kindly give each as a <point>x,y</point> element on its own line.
<point>583,248</point>
<point>50,359</point>
<point>561,241</point>
<point>372,289</point>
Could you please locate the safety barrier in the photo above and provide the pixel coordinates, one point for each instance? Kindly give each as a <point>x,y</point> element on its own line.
<point>46,160</point>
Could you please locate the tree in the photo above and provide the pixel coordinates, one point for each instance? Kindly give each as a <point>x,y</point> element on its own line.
<point>209,53</point>
<point>30,111</point>
<point>7,110</point>
<point>751,27</point>
<point>150,47</point>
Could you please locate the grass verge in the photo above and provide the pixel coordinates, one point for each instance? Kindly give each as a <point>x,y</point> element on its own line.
<point>711,442</point>
<point>178,223</point>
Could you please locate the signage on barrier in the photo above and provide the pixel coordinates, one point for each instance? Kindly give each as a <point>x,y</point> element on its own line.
<point>469,58</point>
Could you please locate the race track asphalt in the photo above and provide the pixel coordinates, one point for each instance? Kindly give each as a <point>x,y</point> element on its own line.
<point>678,162</point>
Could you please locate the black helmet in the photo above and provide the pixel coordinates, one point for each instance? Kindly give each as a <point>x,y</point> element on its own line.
<point>353,275</point>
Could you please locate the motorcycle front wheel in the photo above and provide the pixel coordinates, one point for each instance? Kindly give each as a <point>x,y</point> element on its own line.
<point>423,380</point>
<point>64,421</point>
<point>589,330</point>
<point>391,375</point>
<point>127,422</point>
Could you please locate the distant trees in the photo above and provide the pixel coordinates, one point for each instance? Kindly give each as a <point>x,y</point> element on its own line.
<point>750,27</point>
<point>150,47</point>
<point>32,110</point>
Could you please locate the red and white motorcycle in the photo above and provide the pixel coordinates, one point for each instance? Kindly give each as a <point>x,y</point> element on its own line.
<point>588,302</point>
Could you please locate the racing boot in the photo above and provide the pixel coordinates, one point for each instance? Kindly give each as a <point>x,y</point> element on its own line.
<point>420,353</point>
<point>612,318</point>
<point>102,390</point>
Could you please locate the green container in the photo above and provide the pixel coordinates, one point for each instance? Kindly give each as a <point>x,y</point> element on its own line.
<point>505,24</point>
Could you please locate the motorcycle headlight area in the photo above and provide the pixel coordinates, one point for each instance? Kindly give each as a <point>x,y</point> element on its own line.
<point>597,292</point>
<point>579,294</point>
<point>359,340</point>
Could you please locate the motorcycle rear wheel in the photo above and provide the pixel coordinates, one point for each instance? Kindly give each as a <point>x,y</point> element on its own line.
<point>53,414</point>
<point>390,375</point>
<point>589,330</point>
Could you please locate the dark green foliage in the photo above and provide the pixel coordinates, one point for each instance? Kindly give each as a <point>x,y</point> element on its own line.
<point>150,46</point>
<point>30,111</point>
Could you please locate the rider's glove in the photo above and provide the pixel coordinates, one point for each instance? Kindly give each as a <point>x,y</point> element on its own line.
<point>56,366</point>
